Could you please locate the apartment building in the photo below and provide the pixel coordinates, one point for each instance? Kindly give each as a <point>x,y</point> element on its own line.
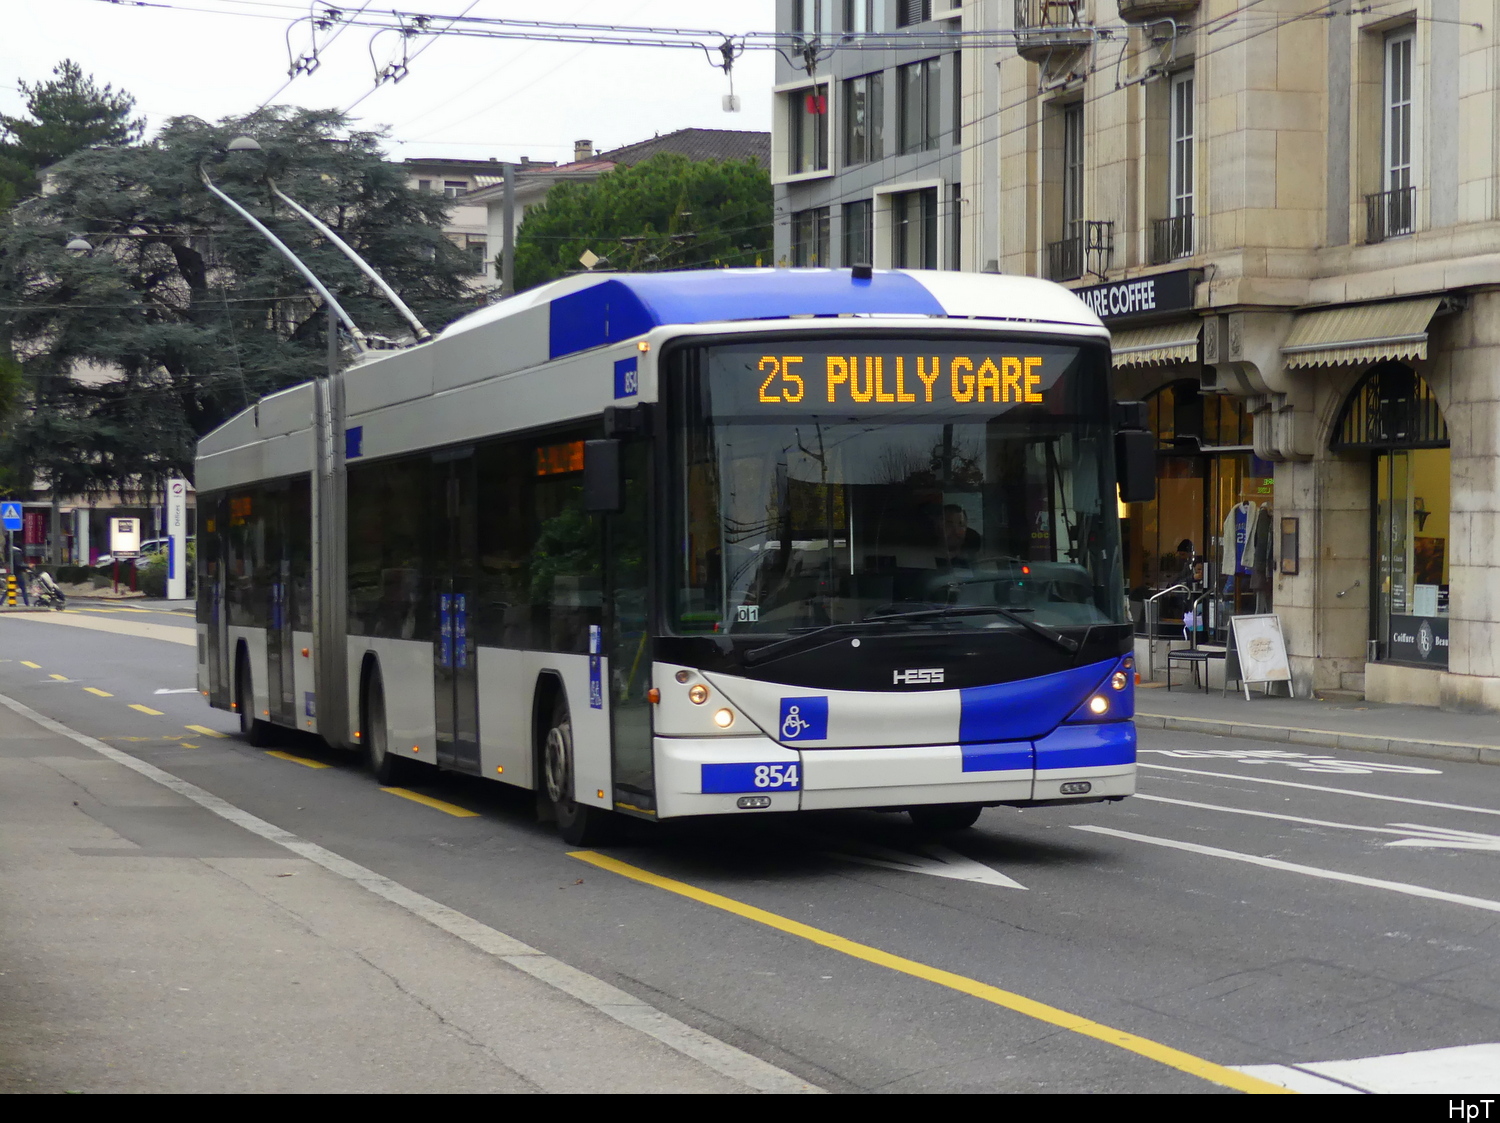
<point>1288,213</point>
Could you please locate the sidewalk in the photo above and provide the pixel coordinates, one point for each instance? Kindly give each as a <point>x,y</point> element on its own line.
<point>148,944</point>
<point>1365,726</point>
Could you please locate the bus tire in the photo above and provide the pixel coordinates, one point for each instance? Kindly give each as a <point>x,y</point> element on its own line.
<point>942,817</point>
<point>260,734</point>
<point>386,766</point>
<point>578,823</point>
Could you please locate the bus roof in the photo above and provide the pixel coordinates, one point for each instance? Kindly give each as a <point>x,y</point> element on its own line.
<point>593,310</point>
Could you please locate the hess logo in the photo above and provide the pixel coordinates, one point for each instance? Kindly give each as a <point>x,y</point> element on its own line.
<point>918,676</point>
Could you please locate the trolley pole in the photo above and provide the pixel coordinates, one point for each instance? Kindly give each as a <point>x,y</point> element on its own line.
<point>330,624</point>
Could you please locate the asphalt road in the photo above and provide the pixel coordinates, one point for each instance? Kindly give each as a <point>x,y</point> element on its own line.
<point>1256,906</point>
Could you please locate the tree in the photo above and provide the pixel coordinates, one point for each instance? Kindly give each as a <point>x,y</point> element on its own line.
<point>182,315</point>
<point>668,212</point>
<point>67,114</point>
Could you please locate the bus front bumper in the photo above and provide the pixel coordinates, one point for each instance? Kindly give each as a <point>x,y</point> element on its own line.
<point>733,775</point>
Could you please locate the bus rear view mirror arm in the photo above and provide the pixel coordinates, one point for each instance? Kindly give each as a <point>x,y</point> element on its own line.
<point>603,482</point>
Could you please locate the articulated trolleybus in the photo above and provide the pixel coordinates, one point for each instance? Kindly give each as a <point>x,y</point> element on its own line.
<point>701,543</point>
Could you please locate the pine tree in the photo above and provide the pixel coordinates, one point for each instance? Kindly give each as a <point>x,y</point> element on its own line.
<point>67,114</point>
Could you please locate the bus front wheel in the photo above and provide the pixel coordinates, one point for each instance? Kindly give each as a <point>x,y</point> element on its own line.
<point>937,817</point>
<point>259,733</point>
<point>578,823</point>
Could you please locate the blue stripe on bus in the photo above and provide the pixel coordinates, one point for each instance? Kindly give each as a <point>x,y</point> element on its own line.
<point>1004,757</point>
<point>1027,708</point>
<point>623,307</point>
<point>1087,746</point>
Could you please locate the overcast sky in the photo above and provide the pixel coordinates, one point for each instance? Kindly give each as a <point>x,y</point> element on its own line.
<point>462,97</point>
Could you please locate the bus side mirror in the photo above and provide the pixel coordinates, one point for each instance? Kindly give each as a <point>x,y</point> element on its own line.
<point>1135,458</point>
<point>603,482</point>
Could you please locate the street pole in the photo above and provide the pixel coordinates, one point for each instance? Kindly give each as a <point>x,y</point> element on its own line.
<point>508,242</point>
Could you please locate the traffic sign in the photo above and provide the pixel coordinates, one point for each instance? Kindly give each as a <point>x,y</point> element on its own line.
<point>124,537</point>
<point>10,515</point>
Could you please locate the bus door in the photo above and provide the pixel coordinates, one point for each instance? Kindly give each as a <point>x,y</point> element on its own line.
<point>212,570</point>
<point>281,686</point>
<point>627,605</point>
<point>455,535</point>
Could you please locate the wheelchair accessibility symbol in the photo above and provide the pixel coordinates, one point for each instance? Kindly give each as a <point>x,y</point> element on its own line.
<point>804,719</point>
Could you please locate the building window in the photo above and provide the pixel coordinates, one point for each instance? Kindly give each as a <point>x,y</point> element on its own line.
<point>859,16</point>
<point>476,248</point>
<point>1072,183</point>
<point>909,12</point>
<point>914,229</point>
<point>1065,257</point>
<point>807,110</point>
<point>864,118</point>
<point>1390,212</point>
<point>813,17</point>
<point>918,110</point>
<point>1173,237</point>
<point>424,185</point>
<point>453,188</point>
<point>958,97</point>
<point>859,233</point>
<point>810,237</point>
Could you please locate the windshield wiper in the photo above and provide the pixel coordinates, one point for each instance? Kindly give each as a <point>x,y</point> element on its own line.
<point>802,639</point>
<point>1052,635</point>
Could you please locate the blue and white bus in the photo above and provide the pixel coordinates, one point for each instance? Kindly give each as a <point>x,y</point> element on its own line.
<point>699,543</point>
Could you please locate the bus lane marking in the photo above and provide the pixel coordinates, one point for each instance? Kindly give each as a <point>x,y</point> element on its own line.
<point>145,709</point>
<point>428,801</point>
<point>1411,834</point>
<point>592,991</point>
<point>1402,887</point>
<point>205,731</point>
<point>1302,762</point>
<point>302,760</point>
<point>100,693</point>
<point>1052,1015</point>
<point>938,861</point>
<point>29,663</point>
<point>1322,788</point>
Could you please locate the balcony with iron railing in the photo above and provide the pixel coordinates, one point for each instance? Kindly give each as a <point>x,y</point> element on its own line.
<point>1171,238</point>
<point>1046,28</point>
<point>1144,11</point>
<point>1389,214</point>
<point>1089,248</point>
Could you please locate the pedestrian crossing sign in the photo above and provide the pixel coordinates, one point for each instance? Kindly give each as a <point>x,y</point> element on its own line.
<point>10,515</point>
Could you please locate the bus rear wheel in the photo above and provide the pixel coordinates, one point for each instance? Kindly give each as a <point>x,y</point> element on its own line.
<point>940,817</point>
<point>578,823</point>
<point>388,767</point>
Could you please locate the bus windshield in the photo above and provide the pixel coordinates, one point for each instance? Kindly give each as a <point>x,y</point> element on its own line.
<point>844,481</point>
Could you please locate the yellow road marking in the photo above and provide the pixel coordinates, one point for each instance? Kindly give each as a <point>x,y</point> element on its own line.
<point>427,800</point>
<point>185,745</point>
<point>205,730</point>
<point>101,693</point>
<point>33,666</point>
<point>145,709</point>
<point>302,760</point>
<point>59,678</point>
<point>1163,1054</point>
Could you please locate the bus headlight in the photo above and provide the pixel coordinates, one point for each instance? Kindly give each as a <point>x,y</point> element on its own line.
<point>1118,681</point>
<point>697,694</point>
<point>1098,705</point>
<point>724,718</point>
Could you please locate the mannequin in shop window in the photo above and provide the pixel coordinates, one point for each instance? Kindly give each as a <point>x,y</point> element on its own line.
<point>1245,552</point>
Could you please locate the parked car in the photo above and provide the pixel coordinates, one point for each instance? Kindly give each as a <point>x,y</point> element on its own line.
<point>149,547</point>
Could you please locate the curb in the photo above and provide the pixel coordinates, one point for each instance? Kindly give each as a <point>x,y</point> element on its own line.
<point>1324,738</point>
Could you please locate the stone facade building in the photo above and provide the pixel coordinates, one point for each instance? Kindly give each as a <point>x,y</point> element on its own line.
<point>1289,215</point>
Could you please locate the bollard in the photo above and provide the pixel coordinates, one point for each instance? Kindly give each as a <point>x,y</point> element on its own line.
<point>10,590</point>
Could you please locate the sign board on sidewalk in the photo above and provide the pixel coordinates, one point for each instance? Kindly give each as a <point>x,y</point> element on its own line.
<point>10,515</point>
<point>1259,653</point>
<point>125,538</point>
<point>176,539</point>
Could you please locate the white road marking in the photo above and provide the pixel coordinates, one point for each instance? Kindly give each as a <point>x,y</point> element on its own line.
<point>180,690</point>
<point>1308,871</point>
<point>938,861</point>
<point>1465,1070</point>
<point>1303,762</point>
<point>1321,788</point>
<point>1411,834</point>
<point>595,992</point>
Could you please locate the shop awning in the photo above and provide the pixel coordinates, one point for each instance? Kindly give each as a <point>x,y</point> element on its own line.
<point>1361,333</point>
<point>1160,343</point>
